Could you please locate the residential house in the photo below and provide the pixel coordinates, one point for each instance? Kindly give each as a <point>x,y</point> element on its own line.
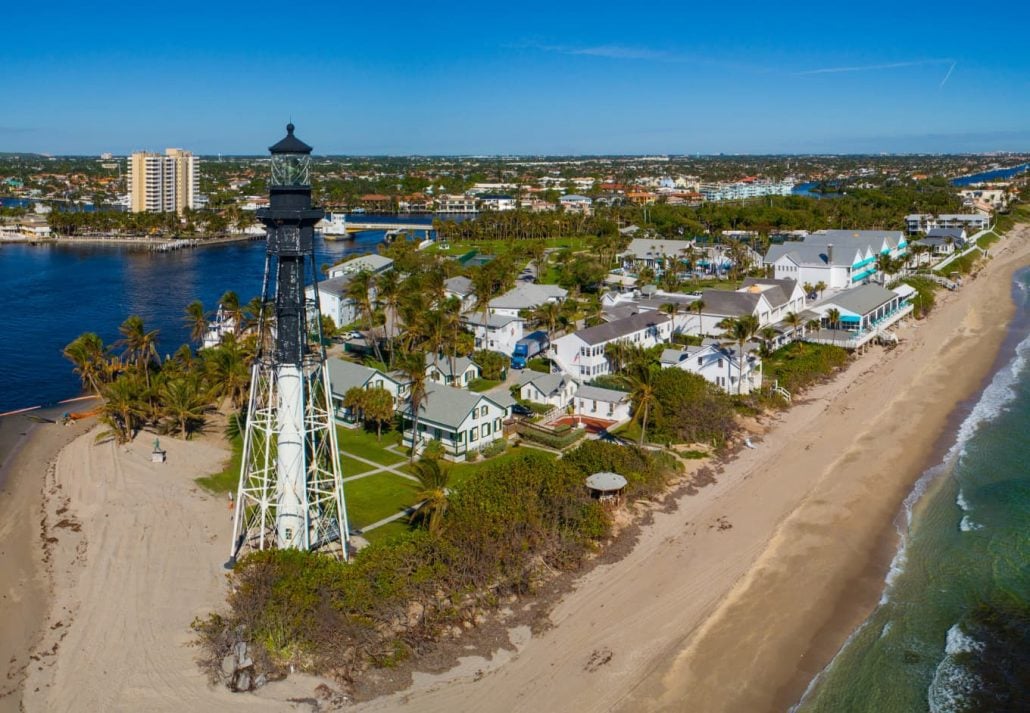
<point>554,389</point>
<point>346,375</point>
<point>836,267</point>
<point>333,300</point>
<point>526,296</point>
<point>373,263</point>
<point>497,201</point>
<point>972,222</point>
<point>864,311</point>
<point>582,354</point>
<point>456,204</point>
<point>942,241</point>
<point>879,242</point>
<point>573,203</point>
<point>656,254</point>
<point>496,332</point>
<point>719,364</point>
<point>606,404</point>
<point>458,371</point>
<point>462,421</point>
<point>460,288</point>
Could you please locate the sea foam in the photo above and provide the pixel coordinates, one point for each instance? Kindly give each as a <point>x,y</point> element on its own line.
<point>952,683</point>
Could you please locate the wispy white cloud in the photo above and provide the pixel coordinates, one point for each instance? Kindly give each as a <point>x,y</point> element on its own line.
<point>887,65</point>
<point>619,52</point>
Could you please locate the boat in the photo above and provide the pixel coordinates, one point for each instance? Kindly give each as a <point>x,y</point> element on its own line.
<point>334,226</point>
<point>222,324</point>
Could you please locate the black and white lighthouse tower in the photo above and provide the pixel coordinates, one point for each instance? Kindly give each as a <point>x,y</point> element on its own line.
<point>290,493</point>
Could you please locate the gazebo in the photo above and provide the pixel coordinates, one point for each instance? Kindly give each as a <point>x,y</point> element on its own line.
<point>606,487</point>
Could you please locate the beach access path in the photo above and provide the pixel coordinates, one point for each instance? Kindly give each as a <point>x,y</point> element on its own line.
<point>733,601</point>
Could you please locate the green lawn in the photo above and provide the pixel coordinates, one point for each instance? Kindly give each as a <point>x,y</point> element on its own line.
<point>461,472</point>
<point>356,441</point>
<point>353,466</point>
<point>483,384</point>
<point>378,496</point>
<point>388,531</point>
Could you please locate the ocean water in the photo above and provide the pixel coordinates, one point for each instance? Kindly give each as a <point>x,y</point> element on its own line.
<point>49,294</point>
<point>964,558</point>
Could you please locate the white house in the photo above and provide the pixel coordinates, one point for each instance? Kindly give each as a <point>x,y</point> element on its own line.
<point>460,420</point>
<point>719,364</point>
<point>460,288</point>
<point>496,201</point>
<point>333,300</point>
<point>973,222</point>
<point>373,263</point>
<point>526,296</point>
<point>346,375</point>
<point>880,242</point>
<point>864,311</point>
<point>582,356</point>
<point>606,404</point>
<point>554,389</point>
<point>836,267</point>
<point>573,203</point>
<point>496,332</point>
<point>458,372</point>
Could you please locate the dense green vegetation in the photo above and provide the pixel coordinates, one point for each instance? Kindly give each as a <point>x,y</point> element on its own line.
<point>798,366</point>
<point>924,300</point>
<point>502,531</point>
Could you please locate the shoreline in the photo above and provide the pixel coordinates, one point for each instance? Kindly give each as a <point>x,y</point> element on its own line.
<point>679,614</point>
<point>701,616</point>
<point>791,666</point>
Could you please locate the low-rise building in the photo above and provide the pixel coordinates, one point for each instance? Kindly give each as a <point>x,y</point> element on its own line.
<point>334,300</point>
<point>835,267</point>
<point>497,201</point>
<point>863,312</point>
<point>607,404</point>
<point>460,288</point>
<point>457,371</point>
<point>526,296</point>
<point>972,222</point>
<point>346,375</point>
<point>373,263</point>
<point>582,355</point>
<point>462,421</point>
<point>495,332</point>
<point>574,203</point>
<point>553,389</point>
<point>719,364</point>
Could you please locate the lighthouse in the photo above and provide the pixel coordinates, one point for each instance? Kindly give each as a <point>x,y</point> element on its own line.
<point>290,493</point>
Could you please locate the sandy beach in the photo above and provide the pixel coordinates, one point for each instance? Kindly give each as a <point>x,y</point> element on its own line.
<point>732,601</point>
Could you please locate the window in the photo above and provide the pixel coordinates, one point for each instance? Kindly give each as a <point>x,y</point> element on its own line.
<point>486,430</point>
<point>497,424</point>
<point>700,361</point>
<point>720,363</point>
<point>482,411</point>
<point>474,434</point>
<point>459,437</point>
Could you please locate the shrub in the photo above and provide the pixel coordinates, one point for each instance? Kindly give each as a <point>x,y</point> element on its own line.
<point>495,449</point>
<point>798,366</point>
<point>490,363</point>
<point>541,365</point>
<point>923,301</point>
<point>691,410</point>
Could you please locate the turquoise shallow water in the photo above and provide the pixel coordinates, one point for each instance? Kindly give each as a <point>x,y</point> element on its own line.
<point>965,559</point>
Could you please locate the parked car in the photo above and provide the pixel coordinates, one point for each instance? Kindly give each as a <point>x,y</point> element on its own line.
<point>520,410</point>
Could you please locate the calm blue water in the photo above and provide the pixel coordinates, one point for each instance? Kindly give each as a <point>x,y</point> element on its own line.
<point>966,544</point>
<point>996,175</point>
<point>53,293</point>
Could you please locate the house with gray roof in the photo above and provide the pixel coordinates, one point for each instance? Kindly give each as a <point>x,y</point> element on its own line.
<point>554,389</point>
<point>864,311</point>
<point>462,421</point>
<point>720,364</point>
<point>526,296</point>
<point>460,288</point>
<point>457,371</point>
<point>836,266</point>
<point>495,332</point>
<point>582,354</point>
<point>372,262</point>
<point>334,301</point>
<point>602,404</point>
<point>346,375</point>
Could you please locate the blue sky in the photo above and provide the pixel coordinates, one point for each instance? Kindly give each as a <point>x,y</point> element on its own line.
<point>516,78</point>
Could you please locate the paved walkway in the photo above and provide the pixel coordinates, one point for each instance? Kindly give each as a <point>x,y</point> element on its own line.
<point>378,468</point>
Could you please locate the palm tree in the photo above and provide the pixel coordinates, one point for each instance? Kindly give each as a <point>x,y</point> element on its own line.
<point>413,366</point>
<point>432,495</point>
<point>671,309</point>
<point>124,406</point>
<point>699,307</point>
<point>833,321</point>
<point>359,291</point>
<point>741,330</point>
<point>809,288</point>
<point>616,352</point>
<point>232,308</point>
<point>90,359</point>
<point>184,403</point>
<point>640,378</point>
<point>795,321</point>
<point>227,371</point>
<point>140,345</point>
<point>389,294</point>
<point>196,320</point>
<point>768,335</point>
<point>547,314</point>
<point>820,287</point>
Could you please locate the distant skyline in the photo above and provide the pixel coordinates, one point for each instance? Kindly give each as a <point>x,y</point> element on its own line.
<point>532,78</point>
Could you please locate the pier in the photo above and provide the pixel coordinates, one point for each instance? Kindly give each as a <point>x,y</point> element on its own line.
<point>357,227</point>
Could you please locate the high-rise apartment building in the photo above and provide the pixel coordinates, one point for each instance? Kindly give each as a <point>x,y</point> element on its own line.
<point>162,184</point>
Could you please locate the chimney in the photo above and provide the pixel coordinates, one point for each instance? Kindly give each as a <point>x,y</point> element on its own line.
<point>829,254</point>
